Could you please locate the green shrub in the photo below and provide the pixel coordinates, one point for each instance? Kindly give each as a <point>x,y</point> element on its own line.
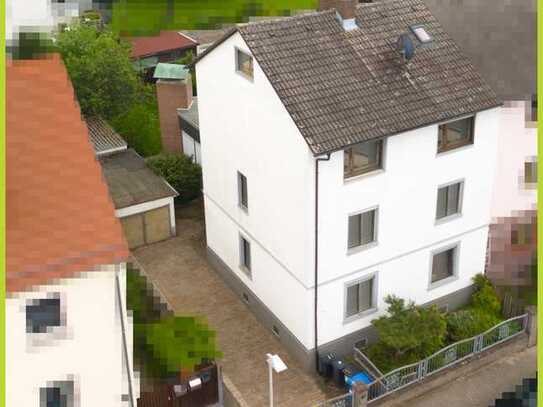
<point>485,297</point>
<point>382,357</point>
<point>469,322</point>
<point>408,333</point>
<point>181,172</point>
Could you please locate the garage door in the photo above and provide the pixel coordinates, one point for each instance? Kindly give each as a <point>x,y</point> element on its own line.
<point>147,227</point>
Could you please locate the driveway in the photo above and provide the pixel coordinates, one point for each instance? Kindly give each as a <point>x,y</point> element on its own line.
<point>179,269</point>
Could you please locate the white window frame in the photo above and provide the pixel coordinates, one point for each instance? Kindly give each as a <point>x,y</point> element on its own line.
<point>240,177</point>
<point>379,170</point>
<point>246,270</point>
<point>240,72</point>
<point>374,294</point>
<point>457,214</point>
<point>461,147</point>
<point>456,257</point>
<point>375,241</point>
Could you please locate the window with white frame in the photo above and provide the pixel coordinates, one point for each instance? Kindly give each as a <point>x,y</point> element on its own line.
<point>449,200</point>
<point>455,134</point>
<point>362,229</point>
<point>245,255</point>
<point>443,264</point>
<point>362,158</point>
<point>360,297</point>
<point>244,63</point>
<point>243,199</point>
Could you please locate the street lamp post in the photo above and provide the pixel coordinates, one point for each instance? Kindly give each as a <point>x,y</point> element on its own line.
<point>274,363</point>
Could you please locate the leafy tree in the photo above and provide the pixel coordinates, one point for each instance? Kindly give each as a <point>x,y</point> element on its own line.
<point>181,172</point>
<point>485,297</point>
<point>99,66</point>
<point>411,330</point>
<point>467,323</point>
<point>186,60</point>
<point>176,344</point>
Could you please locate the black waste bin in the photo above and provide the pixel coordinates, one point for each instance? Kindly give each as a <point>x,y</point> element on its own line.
<point>325,364</point>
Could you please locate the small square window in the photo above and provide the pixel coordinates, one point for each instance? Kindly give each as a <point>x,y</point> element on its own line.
<point>530,173</point>
<point>362,229</point>
<point>449,200</point>
<point>243,199</point>
<point>360,297</point>
<point>521,234</point>
<point>421,34</point>
<point>58,394</point>
<point>362,158</point>
<point>244,63</point>
<point>455,134</point>
<point>443,265</point>
<point>245,255</point>
<point>42,315</point>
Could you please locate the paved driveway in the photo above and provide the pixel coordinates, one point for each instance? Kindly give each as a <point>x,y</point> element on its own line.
<point>179,269</point>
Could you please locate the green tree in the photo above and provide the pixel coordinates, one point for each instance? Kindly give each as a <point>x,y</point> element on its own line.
<point>99,66</point>
<point>176,344</point>
<point>411,330</point>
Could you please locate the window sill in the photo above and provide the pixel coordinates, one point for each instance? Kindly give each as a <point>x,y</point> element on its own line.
<point>358,249</point>
<point>355,178</point>
<point>243,208</point>
<point>244,75</point>
<point>442,282</point>
<point>447,219</point>
<point>246,271</point>
<point>455,149</point>
<point>356,317</point>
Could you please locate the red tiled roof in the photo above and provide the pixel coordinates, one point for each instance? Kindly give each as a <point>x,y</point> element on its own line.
<point>165,41</point>
<point>59,217</point>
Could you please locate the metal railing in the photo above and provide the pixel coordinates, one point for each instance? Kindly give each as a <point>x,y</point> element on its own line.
<point>446,357</point>
<point>345,400</point>
<point>366,363</point>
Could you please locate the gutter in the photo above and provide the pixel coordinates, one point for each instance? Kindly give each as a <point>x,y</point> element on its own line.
<point>125,345</point>
<point>317,160</point>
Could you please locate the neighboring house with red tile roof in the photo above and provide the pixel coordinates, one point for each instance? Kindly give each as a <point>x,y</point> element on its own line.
<point>167,46</point>
<point>68,332</point>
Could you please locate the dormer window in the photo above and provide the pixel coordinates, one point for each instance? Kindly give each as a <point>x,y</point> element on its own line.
<point>455,134</point>
<point>362,158</point>
<point>244,64</point>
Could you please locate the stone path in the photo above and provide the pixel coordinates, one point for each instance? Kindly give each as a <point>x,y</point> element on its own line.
<point>180,271</point>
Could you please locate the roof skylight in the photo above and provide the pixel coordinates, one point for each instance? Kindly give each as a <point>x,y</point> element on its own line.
<point>421,34</point>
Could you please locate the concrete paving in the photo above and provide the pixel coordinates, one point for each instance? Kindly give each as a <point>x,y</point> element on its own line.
<point>476,384</point>
<point>179,269</point>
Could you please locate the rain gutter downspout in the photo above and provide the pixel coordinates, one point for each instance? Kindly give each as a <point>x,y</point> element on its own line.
<point>317,160</point>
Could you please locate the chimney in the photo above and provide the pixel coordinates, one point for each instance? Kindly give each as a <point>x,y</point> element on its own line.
<point>345,11</point>
<point>172,95</point>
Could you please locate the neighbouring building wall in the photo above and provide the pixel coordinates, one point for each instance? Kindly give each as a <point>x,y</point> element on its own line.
<point>244,127</point>
<point>87,349</point>
<point>191,148</point>
<point>405,193</point>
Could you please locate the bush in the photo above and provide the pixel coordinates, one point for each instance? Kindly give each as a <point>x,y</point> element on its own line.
<point>181,172</point>
<point>408,333</point>
<point>485,298</point>
<point>467,323</point>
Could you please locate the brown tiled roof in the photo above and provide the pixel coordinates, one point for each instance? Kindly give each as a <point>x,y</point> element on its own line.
<point>60,219</point>
<point>164,41</point>
<point>103,138</point>
<point>342,88</point>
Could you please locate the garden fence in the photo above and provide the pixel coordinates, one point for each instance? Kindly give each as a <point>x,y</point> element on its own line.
<point>385,384</point>
<point>446,357</point>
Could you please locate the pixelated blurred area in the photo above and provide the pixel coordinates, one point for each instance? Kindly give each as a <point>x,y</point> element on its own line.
<point>29,45</point>
<point>169,351</point>
<point>524,395</point>
<point>51,175</point>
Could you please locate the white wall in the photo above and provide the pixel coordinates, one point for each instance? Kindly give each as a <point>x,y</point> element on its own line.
<point>517,144</point>
<point>89,347</point>
<point>244,127</point>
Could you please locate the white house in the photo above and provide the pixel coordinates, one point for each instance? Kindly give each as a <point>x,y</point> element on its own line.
<point>69,340</point>
<point>347,154</point>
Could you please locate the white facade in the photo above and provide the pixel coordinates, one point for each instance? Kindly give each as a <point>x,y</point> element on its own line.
<point>245,128</point>
<point>517,145</point>
<point>87,349</point>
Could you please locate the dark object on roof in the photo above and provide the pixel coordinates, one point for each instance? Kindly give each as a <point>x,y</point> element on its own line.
<point>499,36</point>
<point>163,42</point>
<point>343,88</point>
<point>406,48</point>
<point>188,120</point>
<point>103,138</point>
<point>131,182</point>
